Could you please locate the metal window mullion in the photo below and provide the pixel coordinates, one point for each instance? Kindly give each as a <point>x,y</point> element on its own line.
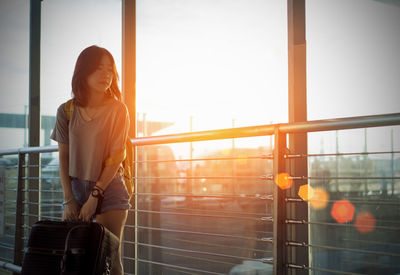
<point>297,99</point>
<point>34,101</point>
<point>279,216</point>
<point>128,82</point>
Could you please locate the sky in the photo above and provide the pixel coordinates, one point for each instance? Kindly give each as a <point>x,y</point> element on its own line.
<point>217,63</point>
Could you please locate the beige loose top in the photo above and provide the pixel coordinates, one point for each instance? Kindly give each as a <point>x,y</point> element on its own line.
<point>92,142</point>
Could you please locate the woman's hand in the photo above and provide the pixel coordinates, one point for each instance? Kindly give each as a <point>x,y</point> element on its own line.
<point>71,211</point>
<point>88,209</point>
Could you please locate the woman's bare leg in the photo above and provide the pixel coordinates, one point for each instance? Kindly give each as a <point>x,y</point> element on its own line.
<point>114,220</point>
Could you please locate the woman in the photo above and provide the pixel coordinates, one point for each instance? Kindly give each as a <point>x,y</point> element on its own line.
<point>87,137</point>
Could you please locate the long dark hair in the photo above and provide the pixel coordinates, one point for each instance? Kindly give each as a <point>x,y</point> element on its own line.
<point>87,62</point>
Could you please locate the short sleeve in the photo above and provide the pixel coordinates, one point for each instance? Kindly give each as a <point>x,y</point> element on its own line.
<point>60,131</point>
<point>120,130</point>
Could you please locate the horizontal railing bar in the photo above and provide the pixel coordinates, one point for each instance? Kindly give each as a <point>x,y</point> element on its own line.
<point>177,271</point>
<point>261,177</point>
<point>342,123</point>
<point>191,251</point>
<point>175,266</point>
<point>31,166</point>
<point>199,211</point>
<point>11,267</point>
<point>322,269</point>
<point>383,202</point>
<point>241,213</point>
<point>43,203</point>
<point>371,242</point>
<point>4,245</point>
<point>200,233</point>
<point>200,215</point>
<point>42,191</point>
<point>5,259</point>
<point>12,214</point>
<point>250,131</point>
<point>30,178</point>
<point>216,211</point>
<point>198,258</point>
<point>242,132</point>
<point>9,167</point>
<point>298,244</point>
<point>339,154</point>
<point>342,178</point>
<point>55,192</point>
<point>185,226</point>
<point>371,263</point>
<point>39,178</point>
<point>267,156</point>
<point>265,130</point>
<point>337,224</point>
<point>232,196</point>
<point>214,245</point>
<point>357,199</point>
<point>27,150</point>
<point>41,216</point>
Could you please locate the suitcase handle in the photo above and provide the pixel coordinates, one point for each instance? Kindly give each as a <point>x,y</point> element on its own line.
<point>67,249</point>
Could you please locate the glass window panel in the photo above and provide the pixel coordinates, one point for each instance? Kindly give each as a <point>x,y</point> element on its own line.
<point>210,201</point>
<point>14,45</point>
<point>354,211</point>
<point>211,64</point>
<point>68,27</point>
<point>353,61</point>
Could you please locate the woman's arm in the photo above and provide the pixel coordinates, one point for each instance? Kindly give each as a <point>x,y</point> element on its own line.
<point>107,175</point>
<point>71,209</point>
<point>89,208</point>
<point>63,152</point>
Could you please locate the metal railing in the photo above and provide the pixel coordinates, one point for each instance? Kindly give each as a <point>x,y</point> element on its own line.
<point>179,225</point>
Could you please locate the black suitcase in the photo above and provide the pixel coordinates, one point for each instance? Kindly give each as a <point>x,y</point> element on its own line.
<point>69,248</point>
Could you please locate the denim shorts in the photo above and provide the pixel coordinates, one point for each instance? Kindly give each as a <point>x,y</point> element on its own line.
<point>116,195</point>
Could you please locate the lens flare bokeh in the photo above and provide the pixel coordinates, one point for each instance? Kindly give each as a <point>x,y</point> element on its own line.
<point>306,192</point>
<point>284,181</point>
<point>365,222</point>
<point>320,198</point>
<point>343,211</point>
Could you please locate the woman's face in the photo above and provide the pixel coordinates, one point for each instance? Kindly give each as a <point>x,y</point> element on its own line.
<point>100,80</point>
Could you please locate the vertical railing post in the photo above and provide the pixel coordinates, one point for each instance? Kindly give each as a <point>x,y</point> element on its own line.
<point>136,221</point>
<point>19,219</point>
<point>392,162</point>
<point>279,217</point>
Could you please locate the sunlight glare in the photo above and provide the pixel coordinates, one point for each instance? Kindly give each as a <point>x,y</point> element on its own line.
<point>242,160</point>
